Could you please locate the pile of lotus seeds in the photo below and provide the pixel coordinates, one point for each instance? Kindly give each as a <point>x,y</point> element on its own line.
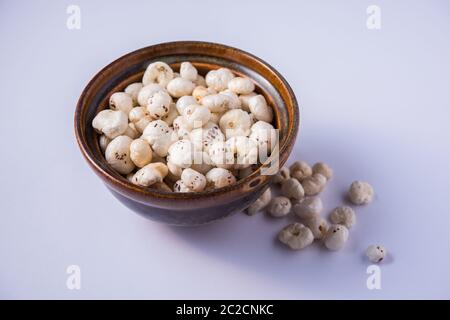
<point>183,132</point>
<point>300,185</point>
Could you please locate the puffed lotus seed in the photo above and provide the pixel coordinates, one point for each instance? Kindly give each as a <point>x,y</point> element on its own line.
<point>216,102</point>
<point>308,208</point>
<point>221,154</point>
<point>158,104</point>
<point>245,151</point>
<point>146,92</point>
<point>140,152</point>
<point>158,72</point>
<point>200,81</point>
<point>292,189</point>
<point>180,186</point>
<point>131,131</point>
<point>179,87</point>
<point>265,136</point>
<point>133,90</point>
<point>103,142</point>
<point>200,92</point>
<point>181,153</point>
<point>121,101</point>
<point>360,192</point>
<point>314,184</point>
<point>317,225</point>
<point>258,106</point>
<point>323,169</point>
<point>231,98</point>
<point>218,79</point>
<point>204,137</point>
<point>188,71</point>
<point>171,116</point>
<point>260,203</point>
<point>336,237</point>
<point>296,236</point>
<point>219,177</point>
<point>181,127</point>
<point>160,136</point>
<point>117,154</point>
<point>343,215</point>
<point>300,170</point>
<point>196,115</point>
<point>234,123</point>
<point>184,102</point>
<point>281,175</point>
<point>241,85</point>
<point>193,180</point>
<point>279,206</point>
<point>376,253</point>
<point>245,100</point>
<point>111,123</point>
<point>150,174</point>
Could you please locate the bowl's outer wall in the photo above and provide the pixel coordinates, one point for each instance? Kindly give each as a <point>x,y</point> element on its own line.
<point>190,208</point>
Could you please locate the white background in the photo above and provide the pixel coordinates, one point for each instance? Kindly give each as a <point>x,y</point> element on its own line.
<point>374,105</point>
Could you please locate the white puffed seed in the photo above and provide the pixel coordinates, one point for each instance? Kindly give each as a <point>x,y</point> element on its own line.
<point>221,154</point>
<point>282,174</point>
<point>200,81</point>
<point>146,92</point>
<point>184,102</point>
<point>158,72</point>
<point>260,203</point>
<point>181,127</point>
<point>292,189</point>
<point>258,106</point>
<point>343,215</point>
<point>172,115</point>
<point>133,90</point>
<point>196,115</point>
<point>160,136</point>
<point>103,142</point>
<point>231,98</point>
<point>131,131</point>
<point>241,85</point>
<point>317,225</point>
<point>121,101</point>
<point>204,137</point>
<point>336,237</point>
<point>150,174</point>
<point>219,178</point>
<point>234,123</point>
<point>279,207</point>
<point>117,154</point>
<point>245,98</point>
<point>111,123</point>
<point>180,186</point>
<point>323,169</point>
<point>265,136</point>
<point>200,92</point>
<point>216,102</point>
<point>296,236</point>
<point>245,151</point>
<point>193,180</point>
<point>218,79</point>
<point>300,170</point>
<point>179,87</point>
<point>376,253</point>
<point>188,71</point>
<point>360,192</point>
<point>140,152</point>
<point>308,208</point>
<point>314,184</point>
<point>181,153</point>
<point>158,104</point>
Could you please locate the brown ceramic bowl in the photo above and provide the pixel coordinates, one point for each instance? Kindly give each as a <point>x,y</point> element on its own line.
<point>185,208</point>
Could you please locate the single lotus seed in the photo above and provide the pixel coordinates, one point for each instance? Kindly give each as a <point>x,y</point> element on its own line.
<point>279,206</point>
<point>292,189</point>
<point>300,170</point>
<point>343,215</point>
<point>376,253</point>
<point>296,236</point>
<point>323,169</point>
<point>314,184</point>
<point>308,208</point>
<point>336,237</point>
<point>360,192</point>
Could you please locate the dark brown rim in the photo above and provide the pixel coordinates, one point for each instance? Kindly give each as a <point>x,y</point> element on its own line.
<point>289,141</point>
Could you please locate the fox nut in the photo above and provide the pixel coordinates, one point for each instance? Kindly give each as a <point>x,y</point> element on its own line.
<point>103,142</point>
<point>150,174</point>
<point>196,115</point>
<point>314,184</point>
<point>111,123</point>
<point>260,203</point>
<point>193,180</point>
<point>184,102</point>
<point>323,169</point>
<point>300,170</point>
<point>218,79</point>
<point>235,122</point>
<point>317,225</point>
<point>158,72</point>
<point>133,90</point>
<point>160,136</point>
<point>308,208</point>
<point>203,138</point>
<point>265,136</point>
<point>188,71</point>
<point>343,215</point>
<point>179,87</point>
<point>221,155</point>
<point>180,186</point>
<point>376,253</point>
<point>281,175</point>
<point>146,92</point>
<point>292,189</point>
<point>360,192</point>
<point>121,101</point>
<point>181,153</point>
<point>336,237</point>
<point>258,106</point>
<point>219,177</point>
<point>140,152</point>
<point>117,154</point>
<point>200,92</point>
<point>241,85</point>
<point>158,104</point>
<point>296,236</point>
<point>279,206</point>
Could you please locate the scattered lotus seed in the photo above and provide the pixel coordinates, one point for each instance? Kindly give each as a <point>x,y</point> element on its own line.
<point>281,176</point>
<point>323,169</point>
<point>296,236</point>
<point>133,90</point>
<point>121,101</point>
<point>336,237</point>
<point>292,189</point>
<point>300,170</point>
<point>360,192</point>
<point>314,184</point>
<point>308,208</point>
<point>317,225</point>
<point>376,253</point>
<point>343,215</point>
<point>117,154</point>
<point>279,206</point>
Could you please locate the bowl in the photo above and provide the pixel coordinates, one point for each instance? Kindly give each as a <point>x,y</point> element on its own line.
<point>186,209</point>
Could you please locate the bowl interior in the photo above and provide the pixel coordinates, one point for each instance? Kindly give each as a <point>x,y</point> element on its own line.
<point>204,56</point>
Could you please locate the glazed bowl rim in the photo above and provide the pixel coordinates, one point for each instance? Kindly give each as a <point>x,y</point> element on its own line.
<point>153,193</point>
